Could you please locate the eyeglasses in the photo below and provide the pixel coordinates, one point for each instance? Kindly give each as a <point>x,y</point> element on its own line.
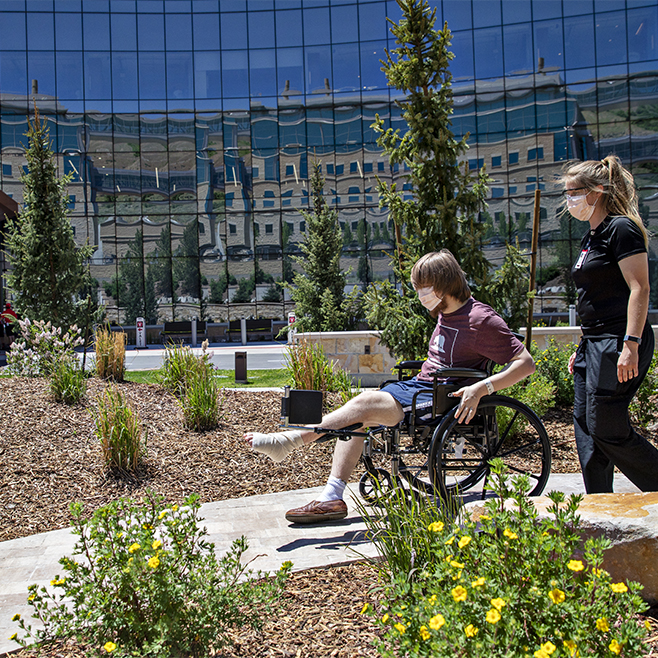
<point>568,193</point>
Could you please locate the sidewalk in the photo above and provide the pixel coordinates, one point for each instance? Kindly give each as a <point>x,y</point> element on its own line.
<point>272,540</point>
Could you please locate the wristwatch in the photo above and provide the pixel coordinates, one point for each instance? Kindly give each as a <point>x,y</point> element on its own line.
<point>633,339</point>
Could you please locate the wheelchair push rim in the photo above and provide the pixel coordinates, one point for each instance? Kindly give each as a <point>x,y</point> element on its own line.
<point>504,428</point>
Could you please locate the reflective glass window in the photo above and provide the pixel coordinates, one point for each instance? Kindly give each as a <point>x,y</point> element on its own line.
<point>610,38</point>
<point>179,75</point>
<point>149,6</point>
<point>13,72</point>
<point>235,74</point>
<point>97,75</point>
<point>518,49</point>
<point>458,14</point>
<point>316,26</point>
<point>150,30</point>
<point>12,31</point>
<point>207,75</point>
<point>462,46</point>
<point>516,11</point>
<point>546,9</point>
<point>608,5</point>
<point>41,67</point>
<point>346,69</point>
<point>69,75</point>
<point>344,24</point>
<point>151,75</point>
<point>290,70</point>
<point>486,13</point>
<point>124,75</point>
<point>642,31</point>
<point>575,7</point>
<point>372,77</point>
<point>261,29</point>
<point>124,32</point>
<point>488,53</point>
<point>318,68</point>
<point>67,5</point>
<point>234,31</point>
<point>579,42</point>
<point>68,31</point>
<point>548,44</point>
<point>372,21</point>
<point>262,69</point>
<point>206,31</point>
<point>178,31</point>
<point>96,31</point>
<point>127,6</point>
<point>289,28</point>
<point>40,31</point>
<point>178,6</point>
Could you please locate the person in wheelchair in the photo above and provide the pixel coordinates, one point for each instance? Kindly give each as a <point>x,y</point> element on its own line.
<point>468,334</point>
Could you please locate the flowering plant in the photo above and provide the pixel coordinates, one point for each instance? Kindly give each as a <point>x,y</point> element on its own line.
<point>509,584</point>
<point>148,583</point>
<point>41,347</point>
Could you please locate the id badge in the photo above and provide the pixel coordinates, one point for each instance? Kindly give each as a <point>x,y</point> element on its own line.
<point>581,258</point>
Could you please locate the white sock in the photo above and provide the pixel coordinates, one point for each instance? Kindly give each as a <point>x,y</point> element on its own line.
<point>333,490</point>
<point>277,446</point>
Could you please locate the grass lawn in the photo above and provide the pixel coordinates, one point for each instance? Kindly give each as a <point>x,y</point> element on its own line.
<point>256,378</point>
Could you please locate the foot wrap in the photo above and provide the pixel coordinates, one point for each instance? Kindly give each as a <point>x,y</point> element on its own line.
<point>277,446</point>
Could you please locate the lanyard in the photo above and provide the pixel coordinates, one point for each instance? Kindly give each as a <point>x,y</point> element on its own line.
<point>583,254</point>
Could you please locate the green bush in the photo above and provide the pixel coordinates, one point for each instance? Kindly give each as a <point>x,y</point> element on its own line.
<point>68,382</point>
<point>200,401</point>
<point>177,363</point>
<point>119,430</point>
<point>643,405</point>
<point>553,363</point>
<point>509,585</point>
<point>148,583</point>
<point>536,391</point>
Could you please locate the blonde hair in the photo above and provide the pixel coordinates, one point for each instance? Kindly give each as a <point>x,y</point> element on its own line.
<point>618,187</point>
<point>441,271</point>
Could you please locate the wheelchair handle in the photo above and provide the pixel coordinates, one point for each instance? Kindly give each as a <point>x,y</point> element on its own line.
<point>464,373</point>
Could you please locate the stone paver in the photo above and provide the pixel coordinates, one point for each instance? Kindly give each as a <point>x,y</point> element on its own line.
<point>272,540</point>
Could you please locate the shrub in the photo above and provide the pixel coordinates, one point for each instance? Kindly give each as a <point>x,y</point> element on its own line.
<point>119,429</point>
<point>149,584</point>
<point>41,347</point>
<point>536,391</point>
<point>553,363</point>
<point>200,402</point>
<point>110,354</point>
<point>177,363</point>
<point>68,383</point>
<point>507,585</point>
<point>643,405</point>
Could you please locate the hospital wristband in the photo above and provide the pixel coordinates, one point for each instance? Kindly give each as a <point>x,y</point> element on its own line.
<point>489,385</point>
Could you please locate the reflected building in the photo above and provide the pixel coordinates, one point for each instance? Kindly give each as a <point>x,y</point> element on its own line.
<point>190,128</point>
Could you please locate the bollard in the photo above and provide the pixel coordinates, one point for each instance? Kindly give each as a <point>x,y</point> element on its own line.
<point>572,315</point>
<point>140,333</point>
<point>194,340</point>
<point>243,330</point>
<point>241,367</point>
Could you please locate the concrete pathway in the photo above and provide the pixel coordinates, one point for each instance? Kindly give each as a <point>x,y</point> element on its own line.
<point>272,540</point>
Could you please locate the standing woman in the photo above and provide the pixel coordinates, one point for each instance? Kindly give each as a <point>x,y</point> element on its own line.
<point>612,278</point>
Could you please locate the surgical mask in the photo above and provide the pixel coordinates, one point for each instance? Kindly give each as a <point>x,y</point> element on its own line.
<point>428,298</point>
<point>579,207</point>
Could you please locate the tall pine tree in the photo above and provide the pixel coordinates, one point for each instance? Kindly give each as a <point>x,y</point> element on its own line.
<point>50,279</point>
<point>446,197</point>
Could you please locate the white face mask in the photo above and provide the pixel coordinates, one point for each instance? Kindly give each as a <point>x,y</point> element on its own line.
<point>428,298</point>
<point>579,207</point>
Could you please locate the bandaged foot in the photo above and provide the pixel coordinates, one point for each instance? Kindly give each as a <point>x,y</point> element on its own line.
<point>277,446</point>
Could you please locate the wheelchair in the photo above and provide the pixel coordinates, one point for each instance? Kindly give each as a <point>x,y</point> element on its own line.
<point>429,452</point>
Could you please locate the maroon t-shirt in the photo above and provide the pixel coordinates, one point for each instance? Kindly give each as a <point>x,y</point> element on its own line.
<point>468,338</point>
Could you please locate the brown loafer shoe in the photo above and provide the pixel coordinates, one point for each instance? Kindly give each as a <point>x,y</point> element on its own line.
<point>317,512</point>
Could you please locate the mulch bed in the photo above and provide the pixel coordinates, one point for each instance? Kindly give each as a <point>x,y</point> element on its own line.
<point>50,457</point>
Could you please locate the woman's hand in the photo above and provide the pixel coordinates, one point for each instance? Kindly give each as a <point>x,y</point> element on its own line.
<point>627,364</point>
<point>572,360</point>
<point>470,398</point>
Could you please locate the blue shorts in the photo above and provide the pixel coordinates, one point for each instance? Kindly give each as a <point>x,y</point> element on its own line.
<point>404,393</point>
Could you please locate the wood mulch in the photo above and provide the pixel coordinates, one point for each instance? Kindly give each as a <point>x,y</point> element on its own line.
<point>50,457</point>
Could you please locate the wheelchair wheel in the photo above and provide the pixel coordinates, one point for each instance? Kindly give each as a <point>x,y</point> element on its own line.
<point>374,484</point>
<point>503,428</point>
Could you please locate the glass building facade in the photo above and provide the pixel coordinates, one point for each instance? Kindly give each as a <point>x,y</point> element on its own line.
<point>191,127</point>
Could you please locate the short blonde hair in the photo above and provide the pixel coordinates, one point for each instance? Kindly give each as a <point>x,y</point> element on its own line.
<point>441,271</point>
<point>618,186</point>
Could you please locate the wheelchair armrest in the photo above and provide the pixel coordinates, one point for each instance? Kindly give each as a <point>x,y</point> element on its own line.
<point>408,365</point>
<point>463,373</point>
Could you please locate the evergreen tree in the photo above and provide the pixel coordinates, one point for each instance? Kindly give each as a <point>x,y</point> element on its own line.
<point>186,263</point>
<point>319,289</point>
<point>446,198</point>
<point>160,262</point>
<point>50,279</point>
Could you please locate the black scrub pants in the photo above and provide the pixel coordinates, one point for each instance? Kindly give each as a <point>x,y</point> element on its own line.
<point>604,435</point>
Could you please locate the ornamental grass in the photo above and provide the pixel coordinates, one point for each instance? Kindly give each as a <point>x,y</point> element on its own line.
<point>110,354</point>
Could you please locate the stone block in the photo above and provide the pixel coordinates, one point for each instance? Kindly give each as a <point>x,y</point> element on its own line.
<point>371,363</point>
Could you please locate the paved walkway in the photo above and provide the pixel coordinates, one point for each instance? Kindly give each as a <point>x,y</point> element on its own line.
<point>272,540</point>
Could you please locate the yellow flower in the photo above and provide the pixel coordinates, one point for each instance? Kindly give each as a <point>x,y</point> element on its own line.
<point>385,618</point>
<point>557,595</point>
<point>400,628</point>
<point>493,616</point>
<point>59,581</point>
<point>459,593</point>
<point>471,631</point>
<point>540,653</point>
<point>110,647</point>
<point>509,534</point>
<point>485,517</point>
<point>499,604</point>
<point>619,588</point>
<point>478,583</point>
<point>456,565</point>
<point>575,565</point>
<point>154,562</point>
<point>119,535</point>
<point>156,544</point>
<point>16,617</point>
<point>13,636</point>
<point>548,647</point>
<point>31,597</point>
<point>365,608</point>
<point>448,542</point>
<point>647,625</point>
<point>174,507</point>
<point>602,625</point>
<point>615,647</point>
<point>571,647</point>
<point>437,621</point>
<point>463,542</point>
<point>162,514</point>
<point>134,548</point>
<point>437,526</point>
<point>432,599</point>
<point>424,633</point>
